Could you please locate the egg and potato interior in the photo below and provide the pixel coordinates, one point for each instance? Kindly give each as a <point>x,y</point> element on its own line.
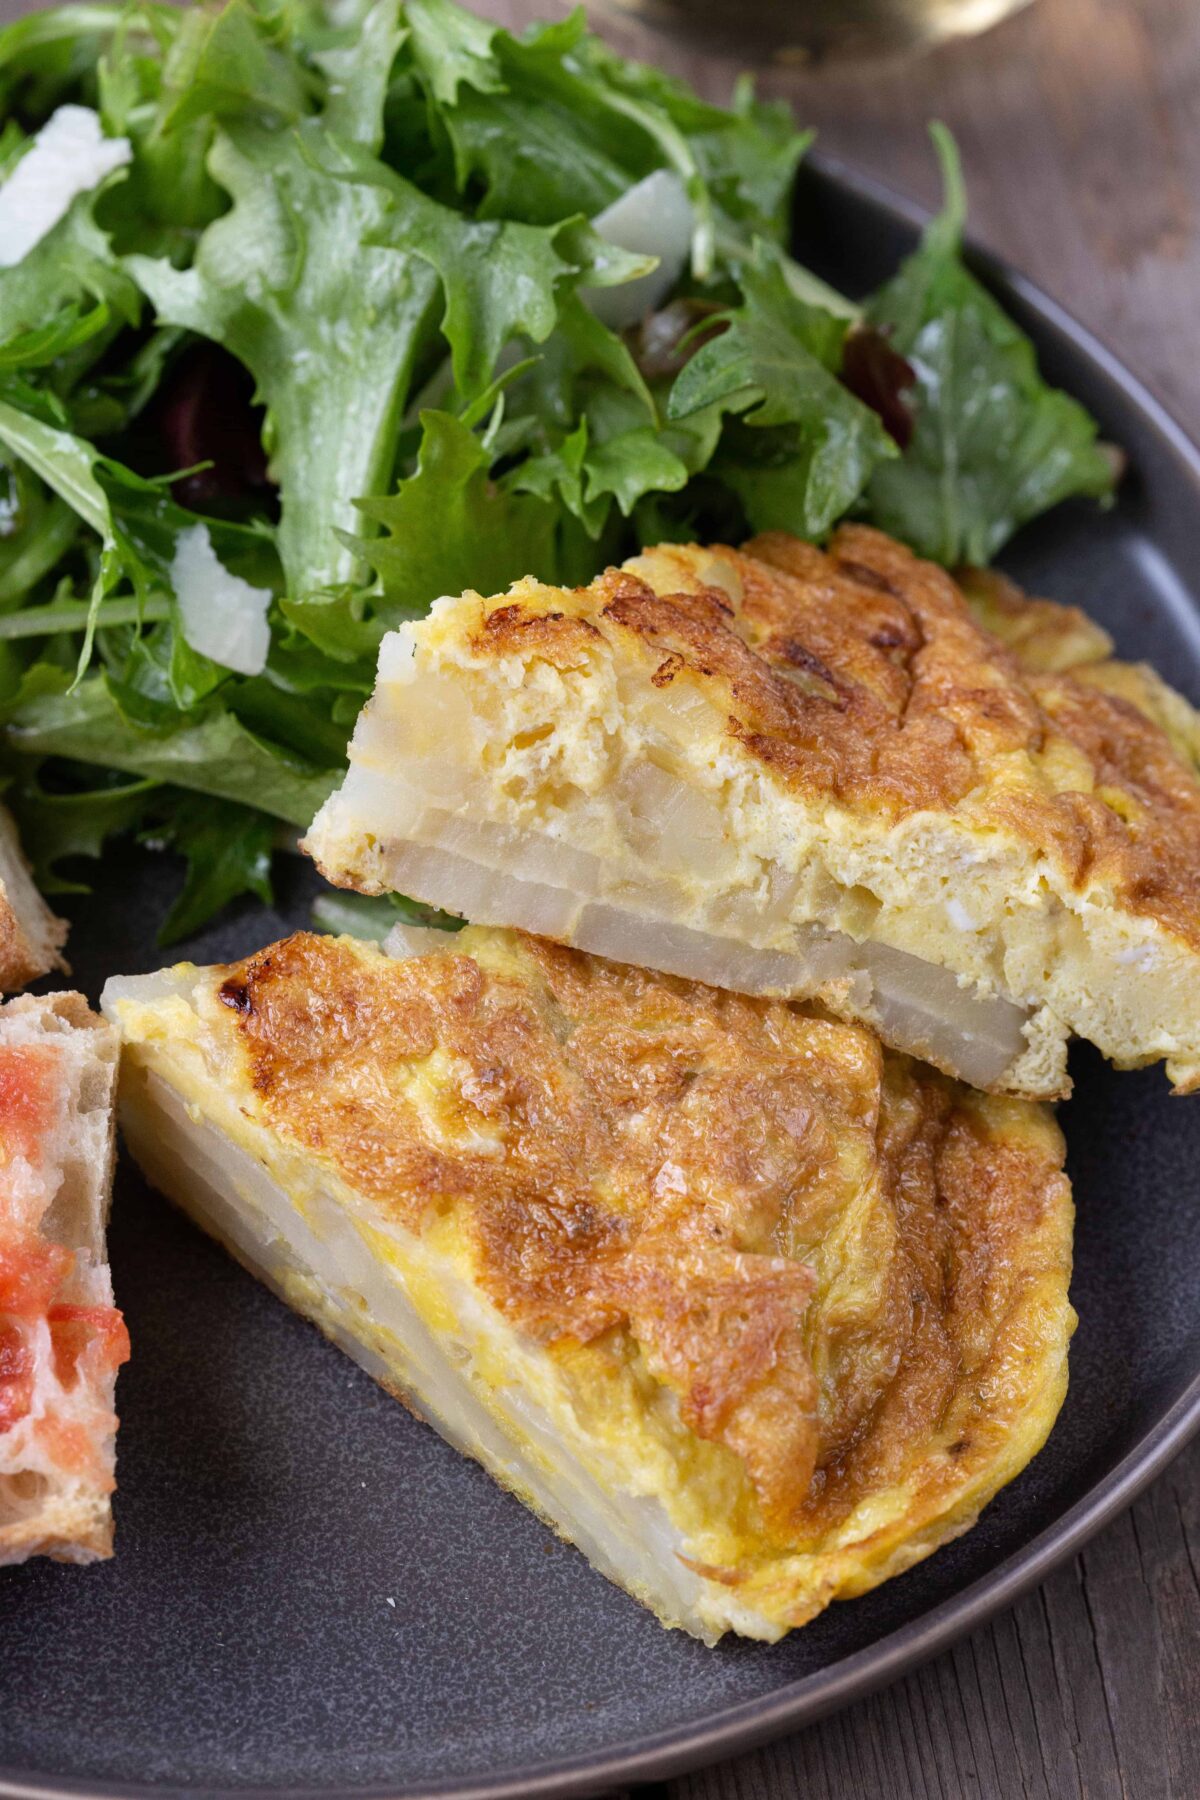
<point>950,815</point>
<point>753,1310</point>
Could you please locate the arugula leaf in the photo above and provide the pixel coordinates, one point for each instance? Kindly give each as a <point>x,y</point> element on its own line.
<point>63,461</point>
<point>624,91</point>
<point>163,102</point>
<point>552,125</point>
<point>73,262</point>
<point>749,160</point>
<point>222,63</point>
<point>58,826</point>
<point>372,212</point>
<point>633,463</point>
<point>592,432</point>
<point>450,527</point>
<point>212,754</point>
<point>37,529</point>
<point>44,344</point>
<point>59,615</point>
<point>312,724</point>
<point>227,847</point>
<point>805,446</point>
<point>534,131</point>
<point>48,56</point>
<point>993,444</point>
<point>139,525</point>
<point>557,475</point>
<point>228,852</point>
<point>334,621</point>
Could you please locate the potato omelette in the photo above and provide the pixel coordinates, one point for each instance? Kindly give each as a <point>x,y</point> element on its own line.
<point>754,1311</point>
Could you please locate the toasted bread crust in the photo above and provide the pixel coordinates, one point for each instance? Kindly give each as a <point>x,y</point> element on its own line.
<point>18,966</point>
<point>61,1340</point>
<point>31,937</point>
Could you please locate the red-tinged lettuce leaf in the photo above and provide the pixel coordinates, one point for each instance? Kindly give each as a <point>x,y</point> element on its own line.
<point>881,378</point>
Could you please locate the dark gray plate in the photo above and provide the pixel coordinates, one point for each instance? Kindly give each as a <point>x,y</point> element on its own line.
<point>312,1592</point>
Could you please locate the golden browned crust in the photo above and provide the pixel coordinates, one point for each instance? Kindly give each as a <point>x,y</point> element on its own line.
<point>16,967</point>
<point>818,1247</point>
<point>30,945</point>
<point>1072,768</point>
<point>21,961</point>
<point>1147,692</point>
<point>1044,634</point>
<point>860,675</point>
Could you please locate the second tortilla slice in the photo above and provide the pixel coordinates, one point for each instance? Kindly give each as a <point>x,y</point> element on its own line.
<point>815,774</point>
<point>753,1311</point>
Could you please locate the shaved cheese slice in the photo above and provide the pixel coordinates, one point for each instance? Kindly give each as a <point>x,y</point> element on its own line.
<point>654,218</point>
<point>69,156</point>
<point>222,616</point>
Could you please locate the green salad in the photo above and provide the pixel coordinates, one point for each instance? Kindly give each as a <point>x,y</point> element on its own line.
<point>310,314</point>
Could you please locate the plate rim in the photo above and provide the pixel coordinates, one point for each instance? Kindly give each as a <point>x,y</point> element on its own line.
<point>750,1723</point>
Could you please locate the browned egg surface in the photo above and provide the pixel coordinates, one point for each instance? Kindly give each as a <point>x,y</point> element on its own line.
<point>863,675</point>
<point>837,1260</point>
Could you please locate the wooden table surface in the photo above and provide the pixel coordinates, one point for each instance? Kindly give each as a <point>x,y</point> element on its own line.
<point>1079,124</point>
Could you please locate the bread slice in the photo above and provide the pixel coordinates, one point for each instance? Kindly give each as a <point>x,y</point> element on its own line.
<point>31,938</point>
<point>786,771</point>
<point>61,1340</point>
<point>752,1311</point>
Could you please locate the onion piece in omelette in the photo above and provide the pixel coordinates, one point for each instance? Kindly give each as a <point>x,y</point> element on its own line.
<point>811,774</point>
<point>753,1311</point>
